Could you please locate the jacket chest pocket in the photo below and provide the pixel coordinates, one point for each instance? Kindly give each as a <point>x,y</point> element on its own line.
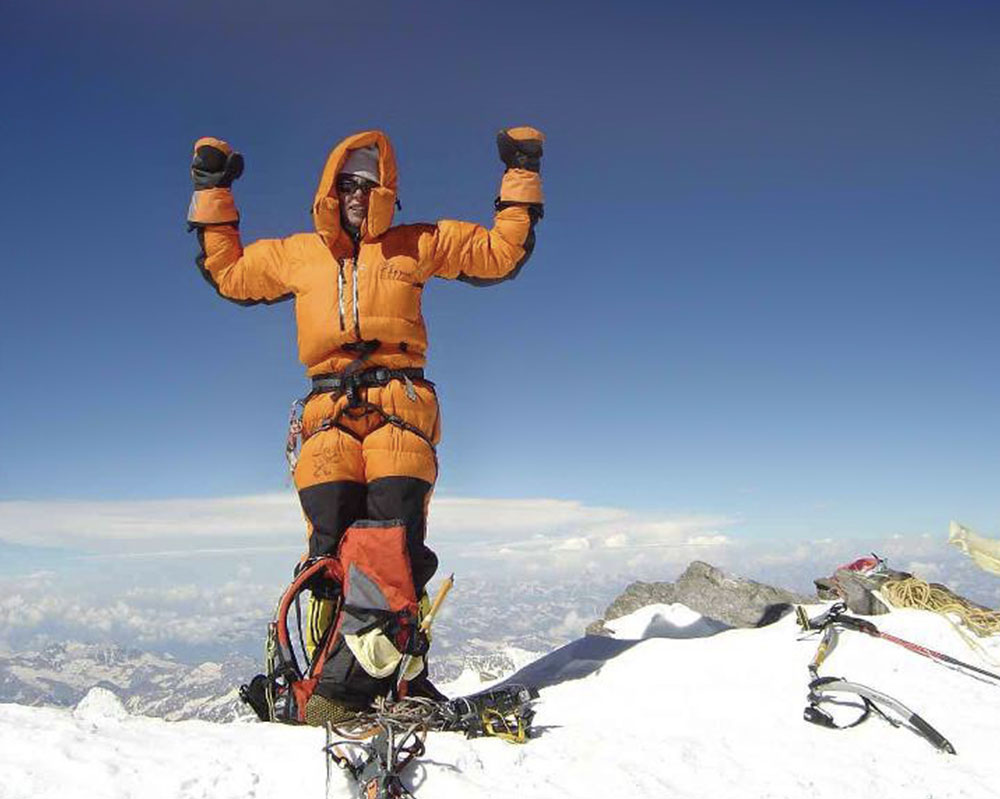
<point>395,290</point>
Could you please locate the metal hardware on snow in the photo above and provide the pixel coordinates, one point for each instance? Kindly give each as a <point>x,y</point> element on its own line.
<point>380,743</point>
<point>871,699</point>
<point>836,616</point>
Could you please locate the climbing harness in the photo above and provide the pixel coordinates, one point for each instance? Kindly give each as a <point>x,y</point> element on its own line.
<point>351,383</point>
<point>823,690</point>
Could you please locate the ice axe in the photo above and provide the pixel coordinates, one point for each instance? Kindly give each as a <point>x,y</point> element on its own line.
<point>425,624</point>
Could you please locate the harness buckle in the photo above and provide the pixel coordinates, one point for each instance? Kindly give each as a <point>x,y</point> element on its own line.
<point>351,392</point>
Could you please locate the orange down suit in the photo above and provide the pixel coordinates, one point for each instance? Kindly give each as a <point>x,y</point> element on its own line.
<point>353,462</point>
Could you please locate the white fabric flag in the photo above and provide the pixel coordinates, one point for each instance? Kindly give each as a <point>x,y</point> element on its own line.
<point>984,551</point>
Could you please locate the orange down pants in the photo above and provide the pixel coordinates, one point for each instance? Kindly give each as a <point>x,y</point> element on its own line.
<point>364,466</point>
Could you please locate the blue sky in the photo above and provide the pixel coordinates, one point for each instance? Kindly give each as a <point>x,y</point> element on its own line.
<point>764,290</point>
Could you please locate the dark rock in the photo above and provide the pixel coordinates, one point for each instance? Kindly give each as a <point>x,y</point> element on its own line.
<point>710,592</point>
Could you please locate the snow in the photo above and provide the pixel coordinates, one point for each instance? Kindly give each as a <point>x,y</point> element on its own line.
<point>717,715</point>
<point>206,672</point>
<point>471,681</point>
<point>99,706</point>
<point>643,622</point>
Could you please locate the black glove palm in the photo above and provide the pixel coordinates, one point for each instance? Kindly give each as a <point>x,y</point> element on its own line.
<point>214,168</point>
<point>521,148</point>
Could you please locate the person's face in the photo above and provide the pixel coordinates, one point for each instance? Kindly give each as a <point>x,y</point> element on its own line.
<point>353,192</point>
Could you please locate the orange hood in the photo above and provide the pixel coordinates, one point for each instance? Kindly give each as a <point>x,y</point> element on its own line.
<point>381,206</point>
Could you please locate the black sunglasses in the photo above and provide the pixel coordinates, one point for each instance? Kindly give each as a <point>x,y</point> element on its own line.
<point>348,184</point>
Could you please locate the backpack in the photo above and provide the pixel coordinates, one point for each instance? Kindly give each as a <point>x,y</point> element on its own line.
<point>372,645</point>
<point>857,584</point>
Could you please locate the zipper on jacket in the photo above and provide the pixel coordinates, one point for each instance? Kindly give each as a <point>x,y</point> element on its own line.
<point>357,312</point>
<point>340,290</point>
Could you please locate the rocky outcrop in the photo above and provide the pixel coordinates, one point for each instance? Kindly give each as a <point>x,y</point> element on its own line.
<point>712,593</point>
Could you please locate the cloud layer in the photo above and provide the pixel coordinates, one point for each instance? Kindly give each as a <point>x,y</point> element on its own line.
<point>469,527</point>
<point>166,524</point>
<point>202,575</point>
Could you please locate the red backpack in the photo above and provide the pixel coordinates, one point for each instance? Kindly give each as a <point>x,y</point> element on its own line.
<point>374,628</point>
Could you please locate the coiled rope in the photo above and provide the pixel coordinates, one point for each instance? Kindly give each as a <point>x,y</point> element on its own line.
<point>912,592</point>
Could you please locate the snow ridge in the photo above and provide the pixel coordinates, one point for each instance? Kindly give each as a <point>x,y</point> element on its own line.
<point>715,715</point>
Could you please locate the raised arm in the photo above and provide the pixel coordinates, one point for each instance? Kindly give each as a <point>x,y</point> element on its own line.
<point>484,256</point>
<point>251,275</point>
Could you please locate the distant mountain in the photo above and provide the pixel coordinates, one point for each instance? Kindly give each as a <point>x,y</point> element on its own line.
<point>488,630</point>
<point>151,685</point>
<point>60,675</point>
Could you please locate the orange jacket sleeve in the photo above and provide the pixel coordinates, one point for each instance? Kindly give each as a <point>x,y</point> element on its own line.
<point>259,273</point>
<point>481,256</point>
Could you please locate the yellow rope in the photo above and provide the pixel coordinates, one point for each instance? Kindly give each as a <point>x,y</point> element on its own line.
<point>916,593</point>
